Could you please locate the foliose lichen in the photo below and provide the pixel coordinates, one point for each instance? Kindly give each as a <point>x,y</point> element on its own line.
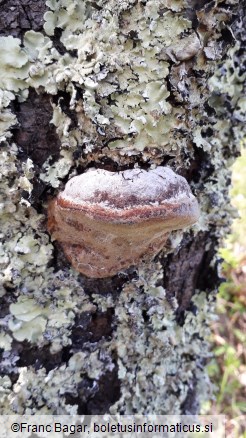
<point>131,97</point>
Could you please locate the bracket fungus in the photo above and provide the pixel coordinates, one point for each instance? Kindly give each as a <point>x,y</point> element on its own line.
<point>107,221</point>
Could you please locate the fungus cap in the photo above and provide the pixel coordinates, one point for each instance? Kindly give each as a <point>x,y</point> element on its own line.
<point>106,221</point>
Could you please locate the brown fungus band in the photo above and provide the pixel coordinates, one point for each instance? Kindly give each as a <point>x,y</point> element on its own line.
<point>107,221</point>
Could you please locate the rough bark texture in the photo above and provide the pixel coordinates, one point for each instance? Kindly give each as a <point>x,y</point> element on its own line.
<point>128,84</point>
<point>19,16</point>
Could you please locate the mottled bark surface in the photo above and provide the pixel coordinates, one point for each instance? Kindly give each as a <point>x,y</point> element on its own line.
<point>105,313</point>
<point>19,16</point>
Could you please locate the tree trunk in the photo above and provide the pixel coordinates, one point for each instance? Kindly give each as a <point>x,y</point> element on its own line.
<point>113,85</point>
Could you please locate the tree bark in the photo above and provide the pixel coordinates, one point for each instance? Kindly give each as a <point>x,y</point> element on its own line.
<point>113,85</point>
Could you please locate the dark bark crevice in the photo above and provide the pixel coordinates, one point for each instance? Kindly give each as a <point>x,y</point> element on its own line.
<point>189,269</point>
<point>19,16</point>
<point>35,136</point>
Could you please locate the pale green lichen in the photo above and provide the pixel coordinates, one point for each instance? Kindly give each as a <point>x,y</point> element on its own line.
<point>13,64</point>
<point>108,63</point>
<point>7,119</point>
<point>24,254</point>
<point>157,348</point>
<point>122,55</point>
<point>42,392</point>
<point>54,173</point>
<point>5,341</point>
<point>65,16</point>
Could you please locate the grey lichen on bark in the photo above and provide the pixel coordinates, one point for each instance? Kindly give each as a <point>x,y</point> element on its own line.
<point>114,85</point>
